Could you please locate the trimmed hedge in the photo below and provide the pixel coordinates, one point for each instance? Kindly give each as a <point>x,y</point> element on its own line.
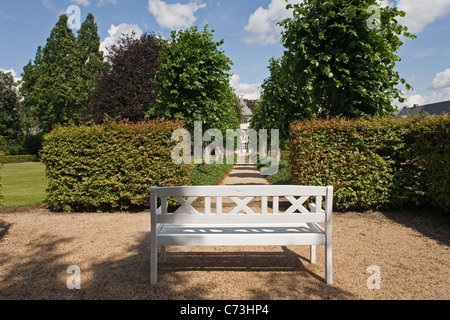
<point>1,195</point>
<point>18,159</point>
<point>428,157</point>
<point>282,177</point>
<point>374,163</point>
<point>210,175</point>
<point>110,167</point>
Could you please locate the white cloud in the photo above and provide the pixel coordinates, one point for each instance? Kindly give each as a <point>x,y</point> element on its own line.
<point>104,2</point>
<point>441,80</point>
<point>250,91</point>
<point>117,32</point>
<point>13,73</point>
<point>413,98</point>
<point>174,16</point>
<point>51,4</point>
<point>48,4</point>
<point>441,84</point>
<point>420,13</point>
<point>8,71</point>
<point>262,24</point>
<point>85,3</point>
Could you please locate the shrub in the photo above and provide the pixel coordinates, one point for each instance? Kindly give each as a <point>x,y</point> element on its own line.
<point>282,177</point>
<point>429,159</point>
<point>210,175</point>
<point>1,195</point>
<point>374,163</point>
<point>110,166</point>
<point>18,159</point>
<point>345,154</point>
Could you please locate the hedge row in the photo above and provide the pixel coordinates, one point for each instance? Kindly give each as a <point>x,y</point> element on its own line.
<point>375,163</point>
<point>110,167</point>
<point>211,174</point>
<point>18,159</point>
<point>1,195</point>
<point>282,176</point>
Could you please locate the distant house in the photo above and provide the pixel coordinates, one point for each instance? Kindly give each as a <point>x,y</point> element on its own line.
<point>251,103</point>
<point>433,109</point>
<point>245,125</point>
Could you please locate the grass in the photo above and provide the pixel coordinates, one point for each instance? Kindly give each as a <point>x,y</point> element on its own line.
<point>23,184</point>
<point>282,177</point>
<point>210,175</point>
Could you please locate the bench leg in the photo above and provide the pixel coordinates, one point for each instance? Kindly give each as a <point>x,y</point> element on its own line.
<point>153,262</point>
<point>162,257</point>
<point>328,265</point>
<point>313,255</point>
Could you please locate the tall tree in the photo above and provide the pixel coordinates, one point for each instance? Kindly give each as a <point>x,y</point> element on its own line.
<point>10,118</point>
<point>91,58</point>
<point>194,81</point>
<point>127,89</point>
<point>341,62</point>
<point>56,86</point>
<point>276,107</point>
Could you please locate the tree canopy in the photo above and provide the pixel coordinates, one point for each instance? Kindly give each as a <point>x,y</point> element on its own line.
<point>10,119</point>
<point>194,81</point>
<point>127,89</point>
<point>339,60</point>
<point>56,86</point>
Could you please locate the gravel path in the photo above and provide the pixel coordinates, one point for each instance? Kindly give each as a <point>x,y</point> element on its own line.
<point>411,252</point>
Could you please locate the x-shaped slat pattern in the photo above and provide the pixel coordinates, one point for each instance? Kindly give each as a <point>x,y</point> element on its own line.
<point>297,204</point>
<point>186,205</point>
<point>241,204</point>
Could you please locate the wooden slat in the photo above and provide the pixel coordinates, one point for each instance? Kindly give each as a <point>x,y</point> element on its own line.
<point>207,205</point>
<point>186,205</point>
<point>275,205</point>
<point>219,207</point>
<point>163,205</point>
<point>240,218</point>
<point>297,204</point>
<point>242,204</point>
<point>318,207</point>
<point>264,205</point>
<point>240,191</point>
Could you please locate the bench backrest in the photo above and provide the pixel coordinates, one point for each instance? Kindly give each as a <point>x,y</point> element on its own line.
<point>241,204</point>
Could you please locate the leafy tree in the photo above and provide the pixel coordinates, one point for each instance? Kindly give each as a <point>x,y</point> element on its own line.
<point>340,64</point>
<point>194,81</point>
<point>335,64</point>
<point>127,89</point>
<point>90,57</point>
<point>273,110</point>
<point>56,86</point>
<point>10,119</point>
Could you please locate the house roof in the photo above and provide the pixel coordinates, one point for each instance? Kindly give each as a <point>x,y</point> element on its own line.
<point>246,112</point>
<point>432,109</point>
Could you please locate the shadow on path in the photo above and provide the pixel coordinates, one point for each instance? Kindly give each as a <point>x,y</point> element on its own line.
<point>435,225</point>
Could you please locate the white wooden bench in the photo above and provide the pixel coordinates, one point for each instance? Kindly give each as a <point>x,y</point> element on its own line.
<point>235,221</point>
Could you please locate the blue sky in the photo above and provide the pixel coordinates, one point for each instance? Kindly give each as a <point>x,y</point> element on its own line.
<point>248,28</point>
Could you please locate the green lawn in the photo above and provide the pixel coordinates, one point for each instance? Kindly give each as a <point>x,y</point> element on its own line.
<point>23,184</point>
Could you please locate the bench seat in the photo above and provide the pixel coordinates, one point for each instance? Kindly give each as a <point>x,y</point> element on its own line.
<point>231,235</point>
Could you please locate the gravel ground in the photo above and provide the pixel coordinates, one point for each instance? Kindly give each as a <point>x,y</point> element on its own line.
<point>112,252</point>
